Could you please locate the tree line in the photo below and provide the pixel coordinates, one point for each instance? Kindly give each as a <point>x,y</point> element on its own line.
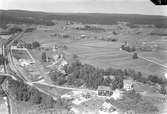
<point>32,45</point>
<point>8,19</point>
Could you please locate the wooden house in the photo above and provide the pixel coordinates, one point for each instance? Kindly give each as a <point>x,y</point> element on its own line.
<point>104,91</point>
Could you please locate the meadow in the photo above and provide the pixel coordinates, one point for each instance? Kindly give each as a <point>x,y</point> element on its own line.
<point>102,54</point>
<point>108,54</point>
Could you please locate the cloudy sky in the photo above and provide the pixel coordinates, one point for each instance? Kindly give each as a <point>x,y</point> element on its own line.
<point>91,6</point>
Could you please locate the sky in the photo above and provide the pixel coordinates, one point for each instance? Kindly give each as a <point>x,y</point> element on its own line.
<point>87,6</point>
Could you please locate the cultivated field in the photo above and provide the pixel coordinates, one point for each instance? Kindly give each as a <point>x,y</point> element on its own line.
<point>101,53</point>
<point>108,54</point>
<point>20,54</point>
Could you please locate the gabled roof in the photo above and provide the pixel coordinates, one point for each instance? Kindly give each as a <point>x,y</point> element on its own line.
<point>104,88</point>
<point>128,81</point>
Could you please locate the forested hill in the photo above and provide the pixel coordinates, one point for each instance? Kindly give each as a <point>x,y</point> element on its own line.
<point>21,16</point>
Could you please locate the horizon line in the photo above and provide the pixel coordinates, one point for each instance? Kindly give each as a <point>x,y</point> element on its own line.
<point>84,12</point>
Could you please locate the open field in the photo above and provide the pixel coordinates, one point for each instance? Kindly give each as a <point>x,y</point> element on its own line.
<point>101,53</point>
<point>159,56</point>
<point>107,54</point>
<point>20,54</point>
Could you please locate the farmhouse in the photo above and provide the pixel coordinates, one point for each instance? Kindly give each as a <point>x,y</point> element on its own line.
<point>128,84</point>
<point>104,91</point>
<point>45,47</point>
<point>109,76</point>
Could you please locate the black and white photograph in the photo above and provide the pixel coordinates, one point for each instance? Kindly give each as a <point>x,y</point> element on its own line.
<point>83,56</point>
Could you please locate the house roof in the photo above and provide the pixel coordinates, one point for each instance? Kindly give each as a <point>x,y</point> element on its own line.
<point>128,81</point>
<point>107,105</point>
<point>106,88</point>
<point>109,76</point>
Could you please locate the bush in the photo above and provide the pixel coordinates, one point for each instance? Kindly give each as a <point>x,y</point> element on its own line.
<point>28,46</point>
<point>35,44</point>
<point>163,90</point>
<point>135,56</point>
<point>66,36</point>
<point>15,30</point>
<point>3,60</point>
<point>44,57</point>
<point>75,57</point>
<point>128,48</point>
<point>155,79</point>
<point>54,75</point>
<point>29,29</point>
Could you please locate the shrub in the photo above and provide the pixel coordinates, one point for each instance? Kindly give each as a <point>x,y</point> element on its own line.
<point>135,56</point>
<point>35,44</point>
<point>44,57</point>
<point>3,60</point>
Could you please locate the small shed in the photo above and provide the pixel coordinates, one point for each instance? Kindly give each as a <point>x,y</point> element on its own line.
<point>104,91</point>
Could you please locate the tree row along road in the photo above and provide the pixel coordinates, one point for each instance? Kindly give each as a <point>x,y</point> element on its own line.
<point>152,61</point>
<point>144,58</point>
<point>62,87</point>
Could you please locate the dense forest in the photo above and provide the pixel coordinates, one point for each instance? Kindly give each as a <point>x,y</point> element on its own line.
<point>13,18</point>
<point>29,17</point>
<point>78,74</point>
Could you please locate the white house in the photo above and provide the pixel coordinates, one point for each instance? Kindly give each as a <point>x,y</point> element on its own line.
<point>128,84</point>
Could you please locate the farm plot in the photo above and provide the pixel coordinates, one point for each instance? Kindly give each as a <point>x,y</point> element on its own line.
<point>107,54</point>
<point>157,56</point>
<point>100,53</point>
<point>20,54</point>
